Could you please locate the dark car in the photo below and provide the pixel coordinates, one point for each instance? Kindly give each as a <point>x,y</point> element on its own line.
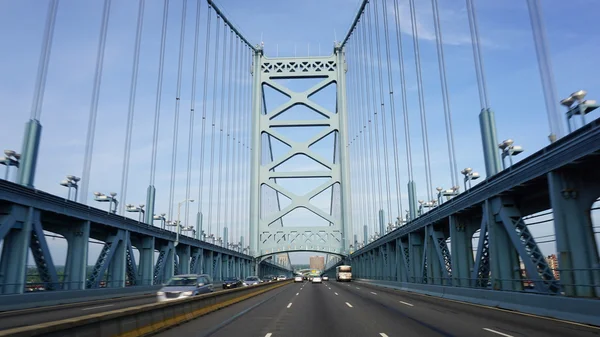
<point>232,282</point>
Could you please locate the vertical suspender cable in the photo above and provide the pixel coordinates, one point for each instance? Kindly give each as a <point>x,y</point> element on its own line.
<point>89,145</point>
<point>235,136</point>
<point>371,83</point>
<point>481,85</point>
<point>161,63</point>
<point>192,115</point>
<point>40,81</point>
<point>360,135</point>
<point>212,136</point>
<point>404,99</point>
<point>392,108</point>
<point>228,118</point>
<point>176,117</point>
<point>383,123</point>
<point>204,105</point>
<point>249,149</point>
<point>445,95</point>
<point>356,140</point>
<point>425,136</point>
<point>221,125</point>
<point>130,112</point>
<point>367,130</point>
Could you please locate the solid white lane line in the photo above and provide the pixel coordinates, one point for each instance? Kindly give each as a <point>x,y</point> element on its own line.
<point>497,332</point>
<point>406,303</point>
<point>373,293</point>
<point>289,305</point>
<point>98,307</point>
<point>268,335</point>
<point>348,304</point>
<point>382,334</point>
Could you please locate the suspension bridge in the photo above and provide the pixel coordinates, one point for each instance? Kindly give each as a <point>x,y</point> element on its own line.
<point>203,151</point>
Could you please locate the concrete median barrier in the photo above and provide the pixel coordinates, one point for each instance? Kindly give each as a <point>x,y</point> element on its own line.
<point>143,320</point>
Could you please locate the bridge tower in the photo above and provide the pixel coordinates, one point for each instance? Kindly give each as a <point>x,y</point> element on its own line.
<point>268,234</point>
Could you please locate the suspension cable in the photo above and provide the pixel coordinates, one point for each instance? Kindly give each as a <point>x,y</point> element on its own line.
<point>371,82</point>
<point>221,127</point>
<point>89,145</point>
<point>228,118</point>
<point>176,117</point>
<point>481,84</point>
<point>445,94</point>
<point>40,81</point>
<point>392,109</point>
<point>372,196</point>
<point>383,123</point>
<point>234,154</point>
<point>425,136</point>
<point>212,136</point>
<point>192,115</point>
<point>161,63</point>
<point>131,110</point>
<point>407,139</point>
<point>204,105</point>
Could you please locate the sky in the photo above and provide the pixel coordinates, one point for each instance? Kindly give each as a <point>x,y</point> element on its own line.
<point>286,29</point>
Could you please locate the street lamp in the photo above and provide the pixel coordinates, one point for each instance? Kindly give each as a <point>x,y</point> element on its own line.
<point>11,158</point>
<point>583,107</point>
<point>133,209</point>
<point>162,219</point>
<point>178,217</point>
<point>509,150</point>
<point>71,182</point>
<point>469,175</point>
<point>111,198</point>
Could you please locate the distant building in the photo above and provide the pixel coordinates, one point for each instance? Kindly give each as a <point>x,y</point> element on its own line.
<point>317,262</point>
<point>283,259</point>
<point>553,265</point>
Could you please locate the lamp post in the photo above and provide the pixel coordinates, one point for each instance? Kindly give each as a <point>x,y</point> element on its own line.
<point>11,158</point>
<point>71,182</point>
<point>469,175</point>
<point>509,150</point>
<point>133,209</point>
<point>162,219</point>
<point>583,107</point>
<point>178,217</point>
<point>111,198</point>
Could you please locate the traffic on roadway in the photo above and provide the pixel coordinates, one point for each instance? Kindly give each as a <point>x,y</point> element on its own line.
<point>315,306</point>
<point>333,308</point>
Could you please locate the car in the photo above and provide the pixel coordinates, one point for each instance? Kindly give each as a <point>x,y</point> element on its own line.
<point>325,278</point>
<point>281,278</point>
<point>298,279</point>
<point>184,286</point>
<point>317,279</point>
<point>232,282</point>
<point>251,280</point>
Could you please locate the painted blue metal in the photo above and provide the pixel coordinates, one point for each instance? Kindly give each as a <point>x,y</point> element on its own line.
<point>581,143</point>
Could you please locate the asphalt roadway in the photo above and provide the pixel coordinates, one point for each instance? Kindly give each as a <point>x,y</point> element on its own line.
<point>352,309</point>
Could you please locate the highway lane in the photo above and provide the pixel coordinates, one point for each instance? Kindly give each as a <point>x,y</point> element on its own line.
<point>353,309</point>
<point>489,321</point>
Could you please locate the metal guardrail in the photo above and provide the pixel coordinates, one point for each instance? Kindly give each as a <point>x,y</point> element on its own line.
<point>40,300</point>
<point>576,145</point>
<point>145,319</point>
<point>41,200</point>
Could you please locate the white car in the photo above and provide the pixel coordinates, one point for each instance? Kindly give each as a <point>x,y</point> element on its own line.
<point>298,279</point>
<point>325,278</point>
<point>281,278</point>
<point>317,279</point>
